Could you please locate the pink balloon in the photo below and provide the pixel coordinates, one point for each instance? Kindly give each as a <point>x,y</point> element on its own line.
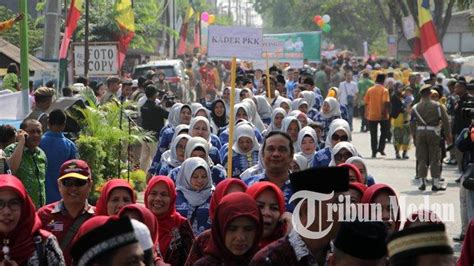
<point>205,16</point>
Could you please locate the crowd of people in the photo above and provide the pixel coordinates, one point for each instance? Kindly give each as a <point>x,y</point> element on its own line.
<point>293,136</point>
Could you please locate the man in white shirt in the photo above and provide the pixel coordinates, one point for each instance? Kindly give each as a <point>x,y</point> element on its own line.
<point>348,95</point>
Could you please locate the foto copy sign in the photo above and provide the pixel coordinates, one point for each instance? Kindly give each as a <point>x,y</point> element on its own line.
<point>242,42</point>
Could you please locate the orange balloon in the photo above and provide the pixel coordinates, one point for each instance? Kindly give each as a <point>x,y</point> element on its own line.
<point>212,19</point>
<point>320,23</point>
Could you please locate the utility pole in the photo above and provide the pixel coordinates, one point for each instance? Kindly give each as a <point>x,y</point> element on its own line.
<point>24,69</point>
<point>51,30</point>
<point>86,41</point>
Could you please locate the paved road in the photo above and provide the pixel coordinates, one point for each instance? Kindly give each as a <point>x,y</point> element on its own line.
<point>399,174</point>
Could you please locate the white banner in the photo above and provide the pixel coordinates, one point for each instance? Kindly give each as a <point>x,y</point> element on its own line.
<point>12,106</point>
<point>409,27</point>
<point>103,59</point>
<point>242,42</point>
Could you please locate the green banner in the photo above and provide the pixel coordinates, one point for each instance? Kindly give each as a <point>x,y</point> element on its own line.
<point>294,47</point>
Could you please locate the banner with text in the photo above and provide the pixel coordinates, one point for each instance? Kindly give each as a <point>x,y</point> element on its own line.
<point>227,42</point>
<point>103,59</point>
<point>293,47</point>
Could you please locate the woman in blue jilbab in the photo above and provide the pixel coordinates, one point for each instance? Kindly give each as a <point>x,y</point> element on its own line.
<point>339,130</point>
<point>277,117</point>
<point>329,111</point>
<point>200,127</point>
<point>240,113</point>
<point>159,159</point>
<point>307,143</point>
<point>194,191</point>
<point>174,157</point>
<point>199,147</point>
<point>245,150</point>
<point>291,126</point>
<point>182,115</point>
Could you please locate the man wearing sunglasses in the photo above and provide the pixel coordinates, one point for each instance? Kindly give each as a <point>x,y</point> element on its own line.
<point>64,217</point>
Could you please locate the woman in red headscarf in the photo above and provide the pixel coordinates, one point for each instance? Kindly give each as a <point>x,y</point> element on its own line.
<point>271,203</point>
<point>356,191</point>
<point>383,195</point>
<point>235,232</point>
<point>116,193</point>
<point>175,233</point>
<point>354,173</point>
<point>144,215</point>
<point>20,228</point>
<point>229,185</point>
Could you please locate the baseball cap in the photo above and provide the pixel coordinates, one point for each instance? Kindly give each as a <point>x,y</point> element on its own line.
<point>74,169</point>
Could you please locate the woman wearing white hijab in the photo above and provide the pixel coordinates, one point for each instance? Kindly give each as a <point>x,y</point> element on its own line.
<point>194,191</point>
<point>245,150</point>
<point>339,130</point>
<point>254,117</point>
<point>241,112</point>
<point>291,126</point>
<point>307,143</point>
<point>341,152</point>
<point>263,108</point>
<point>199,127</point>
<point>329,111</point>
<point>277,117</point>
<point>199,147</point>
<point>313,104</point>
<point>174,157</point>
<point>299,163</point>
<point>284,103</point>
<point>160,159</point>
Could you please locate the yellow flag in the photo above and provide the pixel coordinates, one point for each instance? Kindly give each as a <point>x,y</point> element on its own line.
<point>125,17</point>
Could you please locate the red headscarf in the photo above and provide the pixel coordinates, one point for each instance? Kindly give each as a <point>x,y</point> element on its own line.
<point>221,191</point>
<point>91,224</point>
<point>358,186</point>
<point>371,193</point>
<point>169,220</point>
<point>101,205</point>
<point>254,191</point>
<point>233,206</point>
<point>149,219</point>
<point>352,167</point>
<point>21,238</point>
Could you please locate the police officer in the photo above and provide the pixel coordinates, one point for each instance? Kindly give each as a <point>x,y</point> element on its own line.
<point>43,100</point>
<point>425,128</point>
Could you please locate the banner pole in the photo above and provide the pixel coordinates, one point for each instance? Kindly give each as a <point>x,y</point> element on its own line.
<point>233,71</point>
<point>24,68</point>
<point>268,78</point>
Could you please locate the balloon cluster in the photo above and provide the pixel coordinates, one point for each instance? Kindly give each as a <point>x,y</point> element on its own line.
<point>323,22</point>
<point>209,18</point>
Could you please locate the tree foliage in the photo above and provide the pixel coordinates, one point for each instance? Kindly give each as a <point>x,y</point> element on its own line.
<point>35,33</point>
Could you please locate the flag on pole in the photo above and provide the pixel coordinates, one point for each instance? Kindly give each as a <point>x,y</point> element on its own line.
<point>73,16</point>
<point>184,31</point>
<point>430,46</point>
<point>126,22</point>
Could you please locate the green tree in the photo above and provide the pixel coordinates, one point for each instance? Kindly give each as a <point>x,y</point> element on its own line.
<point>35,33</point>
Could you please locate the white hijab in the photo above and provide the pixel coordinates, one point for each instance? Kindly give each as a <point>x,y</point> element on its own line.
<point>272,126</point>
<point>334,108</point>
<point>172,158</point>
<point>197,119</point>
<point>342,145</point>
<point>285,124</point>
<point>209,118</point>
<point>245,130</point>
<point>283,100</point>
<point>253,115</point>
<point>177,113</point>
<point>357,159</point>
<point>337,124</point>
<point>173,119</point>
<point>296,103</point>
<point>263,107</point>
<point>301,161</point>
<point>306,131</point>
<point>183,181</point>
<point>194,143</point>
<point>309,97</point>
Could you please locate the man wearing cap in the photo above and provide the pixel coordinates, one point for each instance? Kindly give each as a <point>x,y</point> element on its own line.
<point>420,245</point>
<point>28,161</point>
<point>43,100</point>
<point>113,86</point>
<point>64,217</point>
<point>370,248</point>
<point>425,128</point>
<point>308,241</point>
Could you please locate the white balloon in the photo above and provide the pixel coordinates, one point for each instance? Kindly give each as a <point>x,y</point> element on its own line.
<point>326,18</point>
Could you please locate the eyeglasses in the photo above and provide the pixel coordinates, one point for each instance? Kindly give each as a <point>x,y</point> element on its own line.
<point>336,137</point>
<point>69,182</point>
<point>342,156</point>
<point>14,204</point>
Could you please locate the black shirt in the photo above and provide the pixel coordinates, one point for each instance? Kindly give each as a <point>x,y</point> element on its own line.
<point>153,116</point>
<point>460,122</point>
